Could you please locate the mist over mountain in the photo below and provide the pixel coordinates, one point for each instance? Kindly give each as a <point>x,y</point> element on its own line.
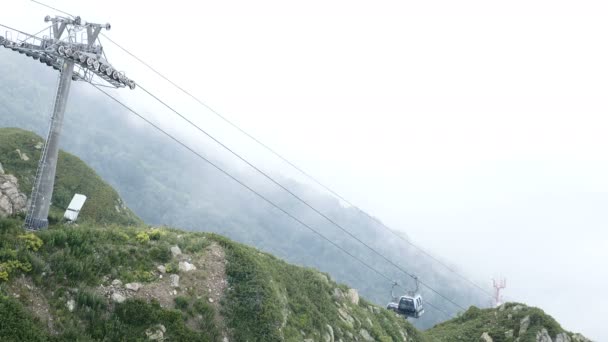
<point>165,184</point>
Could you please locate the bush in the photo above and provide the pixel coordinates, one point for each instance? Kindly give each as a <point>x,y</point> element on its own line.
<point>32,242</point>
<point>156,234</point>
<point>142,237</point>
<point>8,267</point>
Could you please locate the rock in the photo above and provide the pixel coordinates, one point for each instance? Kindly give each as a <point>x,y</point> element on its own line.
<point>485,337</point>
<point>23,156</point>
<point>344,316</point>
<point>523,325</point>
<point>175,251</point>
<point>162,269</point>
<point>186,266</point>
<point>518,307</point>
<point>562,337</point>
<point>403,335</point>
<point>174,280</point>
<point>353,296</point>
<point>580,338</point>
<point>118,298</point>
<point>510,333</point>
<point>365,334</point>
<point>502,307</point>
<point>1,169</point>
<point>116,283</point>
<point>330,334</point>
<point>225,339</point>
<point>369,322</point>
<point>12,201</point>
<point>211,300</point>
<point>39,145</point>
<point>510,316</point>
<point>133,286</point>
<point>338,294</point>
<point>71,304</point>
<point>157,333</point>
<point>543,336</point>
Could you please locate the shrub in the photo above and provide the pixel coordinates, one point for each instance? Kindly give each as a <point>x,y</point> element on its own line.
<point>32,242</point>
<point>142,237</point>
<point>8,267</point>
<point>156,234</point>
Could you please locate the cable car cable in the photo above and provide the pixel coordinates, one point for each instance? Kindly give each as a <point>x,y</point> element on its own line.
<point>306,174</point>
<point>268,148</point>
<point>264,198</point>
<point>296,196</point>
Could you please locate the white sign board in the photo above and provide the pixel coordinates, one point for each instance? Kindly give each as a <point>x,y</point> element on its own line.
<point>74,208</point>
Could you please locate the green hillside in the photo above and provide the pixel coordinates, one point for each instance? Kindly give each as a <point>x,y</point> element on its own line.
<point>58,286</point>
<point>19,154</point>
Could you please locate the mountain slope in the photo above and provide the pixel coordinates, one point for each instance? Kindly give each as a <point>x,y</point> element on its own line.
<point>111,283</point>
<point>19,154</point>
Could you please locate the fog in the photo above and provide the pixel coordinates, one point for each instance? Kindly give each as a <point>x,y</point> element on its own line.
<point>477,127</point>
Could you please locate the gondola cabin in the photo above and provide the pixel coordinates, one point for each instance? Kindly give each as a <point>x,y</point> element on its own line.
<point>409,306</point>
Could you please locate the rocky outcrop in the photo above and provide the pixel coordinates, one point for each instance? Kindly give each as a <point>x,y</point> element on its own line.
<point>185,266</point>
<point>11,200</point>
<point>156,333</point>
<point>23,156</point>
<point>580,338</point>
<point>353,296</point>
<point>543,336</point>
<point>329,336</point>
<point>176,251</point>
<point>563,337</point>
<point>174,280</point>
<point>485,337</point>
<point>523,325</point>
<point>365,334</point>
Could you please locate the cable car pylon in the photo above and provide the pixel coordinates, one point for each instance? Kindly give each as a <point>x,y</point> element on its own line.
<point>77,56</point>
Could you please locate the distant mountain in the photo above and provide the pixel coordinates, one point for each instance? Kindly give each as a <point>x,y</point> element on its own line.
<point>165,185</point>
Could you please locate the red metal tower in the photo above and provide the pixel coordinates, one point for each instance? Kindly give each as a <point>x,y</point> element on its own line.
<point>498,285</point>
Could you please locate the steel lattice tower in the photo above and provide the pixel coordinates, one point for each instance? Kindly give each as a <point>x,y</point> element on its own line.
<point>73,49</point>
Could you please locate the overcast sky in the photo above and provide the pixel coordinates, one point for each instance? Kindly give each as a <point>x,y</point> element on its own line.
<point>478,127</point>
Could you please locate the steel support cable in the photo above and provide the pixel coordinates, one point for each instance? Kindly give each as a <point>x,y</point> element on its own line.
<point>297,168</point>
<point>334,223</point>
<point>278,155</point>
<point>264,198</point>
<point>53,8</point>
<point>270,150</point>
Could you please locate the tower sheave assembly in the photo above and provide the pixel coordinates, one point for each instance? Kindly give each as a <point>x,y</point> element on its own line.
<point>72,48</point>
